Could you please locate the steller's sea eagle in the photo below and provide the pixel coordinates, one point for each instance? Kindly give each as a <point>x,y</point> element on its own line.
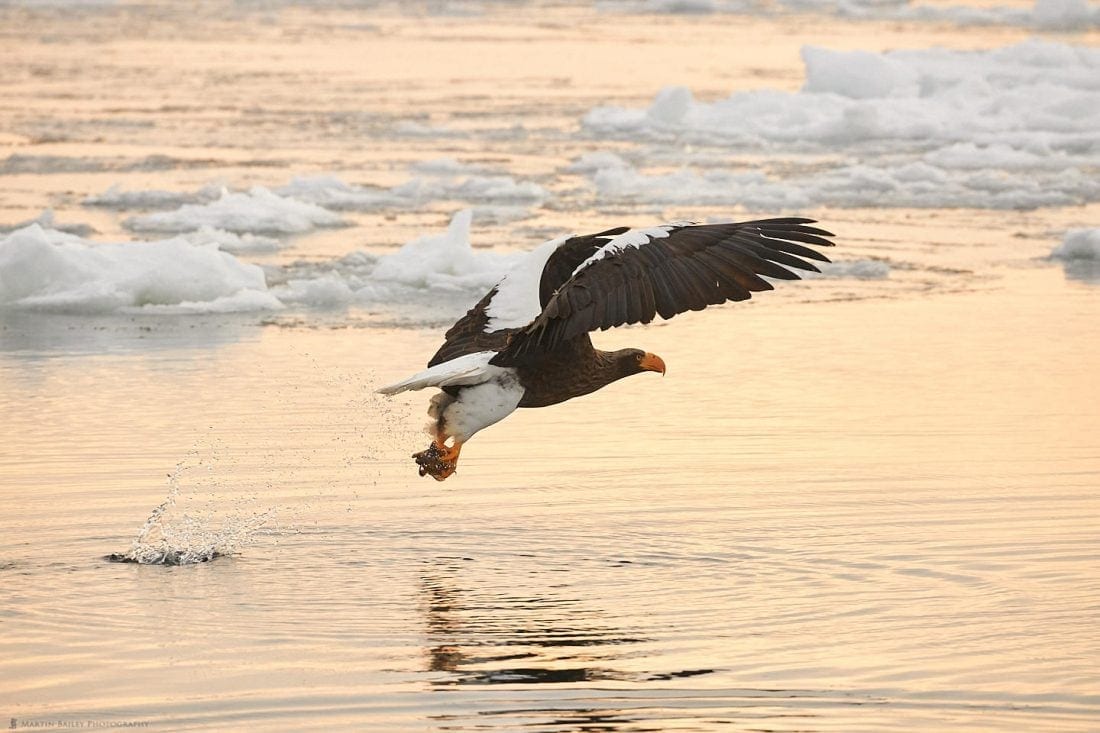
<point>526,344</point>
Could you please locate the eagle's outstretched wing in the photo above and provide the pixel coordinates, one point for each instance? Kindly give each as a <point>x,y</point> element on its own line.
<point>632,275</point>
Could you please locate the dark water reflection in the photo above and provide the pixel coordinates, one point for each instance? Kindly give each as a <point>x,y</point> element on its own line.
<point>488,635</point>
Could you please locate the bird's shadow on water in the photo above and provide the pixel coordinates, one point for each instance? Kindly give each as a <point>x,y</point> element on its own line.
<point>498,635</point>
<point>503,634</point>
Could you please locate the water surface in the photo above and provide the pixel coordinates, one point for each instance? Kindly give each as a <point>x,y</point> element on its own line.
<point>851,504</point>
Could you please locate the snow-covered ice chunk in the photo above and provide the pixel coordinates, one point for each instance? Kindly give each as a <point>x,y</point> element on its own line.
<point>1079,254</point>
<point>48,220</point>
<point>913,99</point>
<point>433,265</point>
<point>1012,127</point>
<point>333,193</point>
<point>916,184</point>
<point>52,271</point>
<point>597,161</point>
<point>115,198</point>
<point>1065,14</point>
<point>231,242</point>
<point>850,270</point>
<point>443,261</point>
<point>858,74</point>
<point>259,210</point>
<point>1078,244</point>
<point>329,290</point>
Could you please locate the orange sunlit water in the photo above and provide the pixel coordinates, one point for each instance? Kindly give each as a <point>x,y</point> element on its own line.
<point>850,505</point>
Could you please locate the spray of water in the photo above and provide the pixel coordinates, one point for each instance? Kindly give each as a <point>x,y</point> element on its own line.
<point>173,537</point>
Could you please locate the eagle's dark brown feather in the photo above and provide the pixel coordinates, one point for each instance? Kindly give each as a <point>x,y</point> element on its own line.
<point>693,267</point>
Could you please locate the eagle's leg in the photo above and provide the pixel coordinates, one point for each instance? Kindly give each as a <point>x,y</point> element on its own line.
<point>439,460</point>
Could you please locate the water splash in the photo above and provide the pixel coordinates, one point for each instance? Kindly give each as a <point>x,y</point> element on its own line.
<point>172,538</point>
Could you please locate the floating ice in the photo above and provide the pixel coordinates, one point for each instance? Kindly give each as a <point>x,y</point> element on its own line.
<point>916,185</point>
<point>679,7</point>
<point>1079,253</point>
<point>333,193</point>
<point>1065,14</point>
<point>597,161</point>
<point>442,185</point>
<point>1078,244</point>
<point>1068,15</point>
<point>1045,14</point>
<point>850,269</point>
<point>231,242</point>
<point>259,210</point>
<point>115,198</point>
<point>1032,93</point>
<point>48,220</point>
<point>43,270</point>
<point>52,271</point>
<point>1013,127</point>
<point>444,261</point>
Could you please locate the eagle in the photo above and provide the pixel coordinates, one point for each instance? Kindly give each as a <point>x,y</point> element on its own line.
<point>526,343</point>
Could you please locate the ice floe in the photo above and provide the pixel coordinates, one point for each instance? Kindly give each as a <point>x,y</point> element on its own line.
<point>1079,253</point>
<point>1013,127</point>
<point>47,270</point>
<point>115,198</point>
<point>1043,14</point>
<point>48,220</point>
<point>232,242</point>
<point>257,210</point>
<point>1079,244</point>
<point>1033,94</point>
<point>444,261</point>
<point>439,184</point>
<point>915,185</point>
<point>850,269</point>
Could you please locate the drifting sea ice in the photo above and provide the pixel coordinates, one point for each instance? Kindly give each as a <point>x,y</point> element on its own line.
<point>1013,127</point>
<point>1079,254</point>
<point>915,185</point>
<point>432,264</point>
<point>47,270</point>
<point>115,198</point>
<point>1034,95</point>
<point>1079,244</point>
<point>258,211</point>
<point>1045,14</point>
<point>231,242</point>
<point>438,185</point>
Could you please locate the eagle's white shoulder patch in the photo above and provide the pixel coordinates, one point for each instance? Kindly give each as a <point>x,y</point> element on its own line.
<point>516,302</point>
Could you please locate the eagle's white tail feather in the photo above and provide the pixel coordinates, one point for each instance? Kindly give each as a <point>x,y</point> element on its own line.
<point>465,370</point>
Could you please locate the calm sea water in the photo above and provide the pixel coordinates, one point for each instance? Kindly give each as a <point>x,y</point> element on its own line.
<point>850,505</point>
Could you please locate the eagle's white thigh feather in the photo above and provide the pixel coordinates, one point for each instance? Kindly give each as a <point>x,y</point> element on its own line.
<point>481,405</point>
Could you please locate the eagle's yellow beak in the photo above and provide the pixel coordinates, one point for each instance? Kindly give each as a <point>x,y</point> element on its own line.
<point>652,363</point>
